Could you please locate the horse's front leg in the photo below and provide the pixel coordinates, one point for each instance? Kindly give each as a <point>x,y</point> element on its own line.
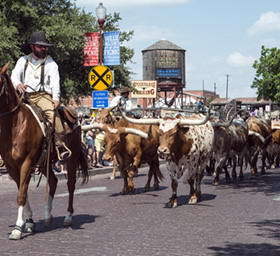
<point>71,183</point>
<point>29,223</point>
<point>48,206</point>
<point>16,232</point>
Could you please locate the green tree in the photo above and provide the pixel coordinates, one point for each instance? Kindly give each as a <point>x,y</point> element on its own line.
<point>64,25</point>
<point>267,79</point>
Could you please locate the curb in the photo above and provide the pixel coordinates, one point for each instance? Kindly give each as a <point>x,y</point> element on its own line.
<point>4,177</point>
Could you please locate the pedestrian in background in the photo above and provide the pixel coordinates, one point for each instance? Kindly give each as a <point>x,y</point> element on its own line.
<point>91,152</point>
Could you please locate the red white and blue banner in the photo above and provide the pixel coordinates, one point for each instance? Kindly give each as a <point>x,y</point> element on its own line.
<point>91,49</point>
<point>111,52</point>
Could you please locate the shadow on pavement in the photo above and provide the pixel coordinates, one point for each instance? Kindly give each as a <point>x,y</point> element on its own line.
<point>268,183</point>
<point>239,249</point>
<point>268,228</point>
<point>183,200</point>
<point>139,191</point>
<point>78,221</point>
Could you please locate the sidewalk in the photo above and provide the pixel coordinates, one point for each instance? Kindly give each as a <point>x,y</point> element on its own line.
<point>4,177</point>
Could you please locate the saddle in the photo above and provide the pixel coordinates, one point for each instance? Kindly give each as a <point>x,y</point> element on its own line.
<point>69,115</point>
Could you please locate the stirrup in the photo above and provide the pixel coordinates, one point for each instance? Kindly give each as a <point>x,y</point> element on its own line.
<point>64,155</point>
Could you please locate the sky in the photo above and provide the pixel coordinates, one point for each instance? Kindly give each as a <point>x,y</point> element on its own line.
<point>221,37</point>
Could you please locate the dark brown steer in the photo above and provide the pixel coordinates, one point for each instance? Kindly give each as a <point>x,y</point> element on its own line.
<point>259,130</point>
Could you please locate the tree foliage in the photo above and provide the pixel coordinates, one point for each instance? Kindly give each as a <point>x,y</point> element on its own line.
<point>64,25</point>
<point>267,79</point>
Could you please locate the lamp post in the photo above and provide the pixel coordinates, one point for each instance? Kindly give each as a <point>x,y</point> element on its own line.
<point>101,17</point>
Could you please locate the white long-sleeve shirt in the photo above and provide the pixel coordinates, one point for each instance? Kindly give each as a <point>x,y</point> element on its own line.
<point>116,101</point>
<point>33,75</point>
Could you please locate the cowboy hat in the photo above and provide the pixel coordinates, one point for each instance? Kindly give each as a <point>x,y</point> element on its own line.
<point>124,89</point>
<point>39,38</point>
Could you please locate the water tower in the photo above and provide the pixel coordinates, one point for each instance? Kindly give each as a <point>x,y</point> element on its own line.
<point>164,62</point>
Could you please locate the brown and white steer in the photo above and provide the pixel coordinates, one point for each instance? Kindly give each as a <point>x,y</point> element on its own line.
<point>187,145</point>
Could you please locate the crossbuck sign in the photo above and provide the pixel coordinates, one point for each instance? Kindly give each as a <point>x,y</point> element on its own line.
<point>100,78</point>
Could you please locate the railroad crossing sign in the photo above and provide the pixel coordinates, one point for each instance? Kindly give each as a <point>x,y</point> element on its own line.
<point>100,78</point>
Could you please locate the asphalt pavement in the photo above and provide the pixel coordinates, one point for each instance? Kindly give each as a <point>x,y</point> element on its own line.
<point>231,220</point>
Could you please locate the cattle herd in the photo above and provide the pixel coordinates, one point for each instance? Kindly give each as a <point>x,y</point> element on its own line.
<point>191,146</point>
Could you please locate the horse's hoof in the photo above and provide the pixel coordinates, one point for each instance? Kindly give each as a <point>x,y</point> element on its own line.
<point>193,200</point>
<point>16,233</point>
<point>67,221</point>
<point>112,177</point>
<point>29,226</point>
<point>48,222</point>
<point>216,183</point>
<point>172,204</point>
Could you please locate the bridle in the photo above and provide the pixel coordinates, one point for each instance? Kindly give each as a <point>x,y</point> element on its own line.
<point>3,92</point>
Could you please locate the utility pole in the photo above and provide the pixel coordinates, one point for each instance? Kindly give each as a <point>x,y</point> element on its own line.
<point>227,86</point>
<point>215,89</point>
<point>203,88</point>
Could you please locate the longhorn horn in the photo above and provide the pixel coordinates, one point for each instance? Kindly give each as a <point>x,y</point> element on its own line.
<point>136,132</point>
<point>141,120</point>
<point>225,124</point>
<point>133,131</point>
<point>257,135</point>
<point>93,126</point>
<point>195,122</point>
<point>228,113</point>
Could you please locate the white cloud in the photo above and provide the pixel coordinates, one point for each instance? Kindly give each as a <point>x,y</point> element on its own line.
<point>236,59</point>
<point>150,33</point>
<point>269,21</point>
<point>129,2</point>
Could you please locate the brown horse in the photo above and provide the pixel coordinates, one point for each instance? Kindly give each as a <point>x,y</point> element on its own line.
<point>21,148</point>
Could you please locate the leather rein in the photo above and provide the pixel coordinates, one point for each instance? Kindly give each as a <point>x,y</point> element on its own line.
<point>3,90</point>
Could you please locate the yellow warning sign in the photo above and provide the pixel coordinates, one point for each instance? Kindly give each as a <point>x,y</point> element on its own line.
<point>100,78</point>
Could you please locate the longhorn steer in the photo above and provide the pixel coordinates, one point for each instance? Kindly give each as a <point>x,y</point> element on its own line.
<point>239,148</point>
<point>273,148</point>
<point>261,134</point>
<point>186,144</point>
<point>131,150</point>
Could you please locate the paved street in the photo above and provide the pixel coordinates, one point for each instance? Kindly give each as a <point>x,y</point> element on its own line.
<point>241,219</point>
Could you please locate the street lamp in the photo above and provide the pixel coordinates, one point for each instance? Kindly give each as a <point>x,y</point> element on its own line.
<point>101,17</point>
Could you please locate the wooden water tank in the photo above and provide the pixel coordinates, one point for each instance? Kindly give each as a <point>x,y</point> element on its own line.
<point>165,62</point>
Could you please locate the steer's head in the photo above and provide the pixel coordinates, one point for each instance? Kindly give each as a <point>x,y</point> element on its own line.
<point>113,141</point>
<point>171,137</point>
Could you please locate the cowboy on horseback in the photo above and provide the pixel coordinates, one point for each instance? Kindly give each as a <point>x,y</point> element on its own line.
<point>37,75</point>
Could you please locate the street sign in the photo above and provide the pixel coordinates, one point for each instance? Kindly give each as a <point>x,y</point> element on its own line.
<point>100,99</point>
<point>111,50</point>
<point>144,89</point>
<point>91,49</point>
<point>100,78</point>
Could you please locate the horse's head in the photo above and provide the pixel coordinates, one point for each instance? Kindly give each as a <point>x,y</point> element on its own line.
<point>8,95</point>
<point>3,79</point>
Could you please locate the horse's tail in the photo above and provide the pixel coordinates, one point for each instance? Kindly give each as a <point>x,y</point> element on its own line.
<point>84,163</point>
